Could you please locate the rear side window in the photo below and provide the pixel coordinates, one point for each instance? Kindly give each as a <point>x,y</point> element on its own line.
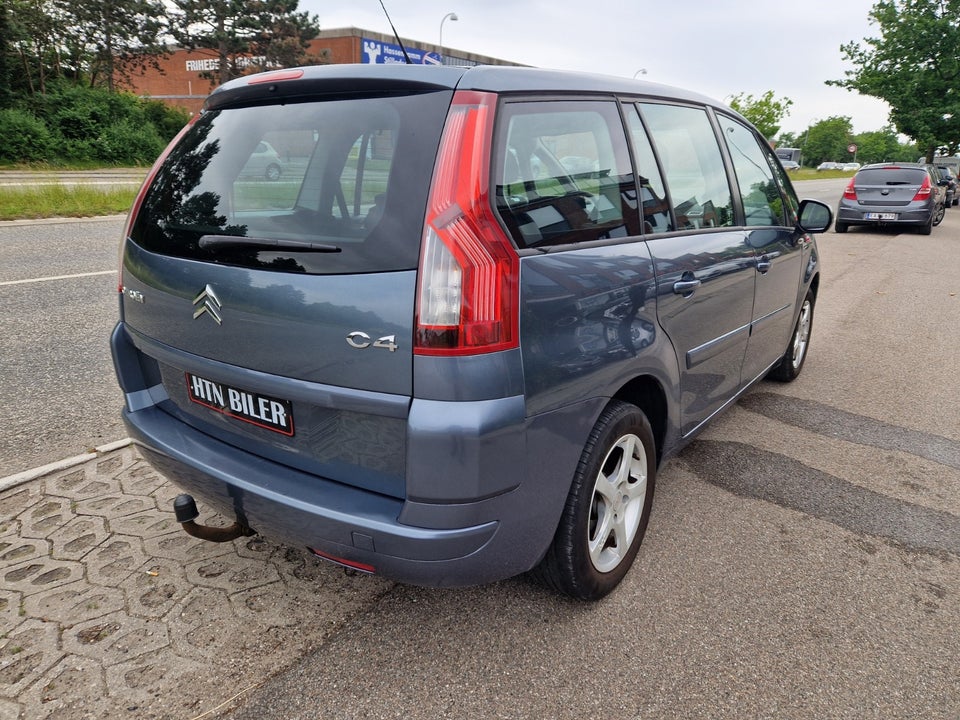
<point>762,202</point>
<point>563,173</point>
<point>350,176</point>
<point>692,163</point>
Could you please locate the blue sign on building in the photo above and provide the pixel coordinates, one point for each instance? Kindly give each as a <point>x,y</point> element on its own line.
<point>381,53</point>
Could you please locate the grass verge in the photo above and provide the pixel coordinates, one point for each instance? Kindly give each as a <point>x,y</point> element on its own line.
<point>21,203</point>
<point>814,174</point>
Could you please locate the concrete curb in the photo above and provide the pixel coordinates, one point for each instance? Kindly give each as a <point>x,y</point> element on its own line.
<point>28,475</point>
<point>59,220</point>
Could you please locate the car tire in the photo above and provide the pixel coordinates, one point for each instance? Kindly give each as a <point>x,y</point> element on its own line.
<point>840,227</point>
<point>272,172</point>
<point>607,508</point>
<point>790,365</point>
<point>926,228</point>
<point>938,214</point>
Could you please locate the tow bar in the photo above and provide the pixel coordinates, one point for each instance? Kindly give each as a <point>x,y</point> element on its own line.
<point>185,508</point>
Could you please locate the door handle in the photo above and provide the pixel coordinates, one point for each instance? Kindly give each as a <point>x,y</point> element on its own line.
<point>685,287</point>
<point>763,265</point>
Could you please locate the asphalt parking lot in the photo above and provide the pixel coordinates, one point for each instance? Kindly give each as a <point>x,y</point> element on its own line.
<point>802,561</point>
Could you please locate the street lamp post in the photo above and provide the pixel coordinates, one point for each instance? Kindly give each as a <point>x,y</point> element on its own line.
<point>449,16</point>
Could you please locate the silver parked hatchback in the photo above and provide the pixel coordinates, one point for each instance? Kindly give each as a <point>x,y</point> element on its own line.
<point>455,339</point>
<point>893,194</point>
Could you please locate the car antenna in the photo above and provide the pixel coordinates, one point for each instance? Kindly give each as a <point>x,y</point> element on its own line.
<point>405,56</point>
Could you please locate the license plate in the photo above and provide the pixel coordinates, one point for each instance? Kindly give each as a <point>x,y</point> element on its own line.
<point>263,411</point>
<point>881,216</point>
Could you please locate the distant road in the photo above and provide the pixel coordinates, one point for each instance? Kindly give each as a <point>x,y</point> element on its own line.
<point>827,190</point>
<point>58,305</point>
<point>112,177</point>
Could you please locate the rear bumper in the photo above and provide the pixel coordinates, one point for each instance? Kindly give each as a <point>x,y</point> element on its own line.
<point>306,510</point>
<point>475,509</point>
<point>905,216</point>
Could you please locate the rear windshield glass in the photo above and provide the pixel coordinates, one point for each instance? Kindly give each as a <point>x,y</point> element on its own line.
<point>891,176</point>
<point>349,177</point>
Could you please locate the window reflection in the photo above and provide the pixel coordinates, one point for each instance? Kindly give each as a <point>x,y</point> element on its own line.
<point>564,174</point>
<point>692,164</point>
<point>762,201</point>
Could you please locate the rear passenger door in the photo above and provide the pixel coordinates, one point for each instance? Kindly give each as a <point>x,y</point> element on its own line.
<point>703,263</point>
<point>565,190</point>
<point>769,212</point>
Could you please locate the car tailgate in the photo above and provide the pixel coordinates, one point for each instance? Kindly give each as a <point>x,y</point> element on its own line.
<point>278,364</point>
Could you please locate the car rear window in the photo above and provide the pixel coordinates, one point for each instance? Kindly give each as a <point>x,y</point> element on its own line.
<point>348,176</point>
<point>891,176</point>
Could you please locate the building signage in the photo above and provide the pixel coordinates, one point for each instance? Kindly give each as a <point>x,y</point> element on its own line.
<point>213,64</point>
<point>381,53</point>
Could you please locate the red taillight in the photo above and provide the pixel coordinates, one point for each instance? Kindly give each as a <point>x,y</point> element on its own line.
<point>138,201</point>
<point>924,192</point>
<point>850,192</point>
<point>467,289</point>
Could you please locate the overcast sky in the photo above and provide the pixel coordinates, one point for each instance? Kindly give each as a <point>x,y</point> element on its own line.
<point>717,47</point>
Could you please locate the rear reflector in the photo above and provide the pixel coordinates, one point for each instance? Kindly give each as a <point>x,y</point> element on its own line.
<point>361,567</point>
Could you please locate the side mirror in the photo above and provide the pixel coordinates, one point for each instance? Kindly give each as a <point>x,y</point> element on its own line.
<point>814,216</point>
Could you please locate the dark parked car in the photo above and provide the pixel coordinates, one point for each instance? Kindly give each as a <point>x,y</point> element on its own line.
<point>456,343</point>
<point>893,194</point>
<point>950,185</point>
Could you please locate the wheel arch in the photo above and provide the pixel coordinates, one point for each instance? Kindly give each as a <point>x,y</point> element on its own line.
<point>648,394</point>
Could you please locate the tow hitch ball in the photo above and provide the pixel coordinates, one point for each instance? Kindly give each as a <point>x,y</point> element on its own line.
<point>185,508</point>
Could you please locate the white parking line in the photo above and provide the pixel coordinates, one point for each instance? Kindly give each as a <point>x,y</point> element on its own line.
<point>57,277</point>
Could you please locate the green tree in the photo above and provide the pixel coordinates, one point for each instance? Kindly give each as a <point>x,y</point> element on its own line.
<point>35,31</point>
<point>243,35</point>
<point>827,141</point>
<point>881,145</point>
<point>111,40</point>
<point>283,37</point>
<point>789,139</point>
<point>914,66</point>
<point>6,55</point>
<point>766,112</point>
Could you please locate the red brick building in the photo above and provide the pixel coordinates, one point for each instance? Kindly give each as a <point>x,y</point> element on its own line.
<point>181,80</point>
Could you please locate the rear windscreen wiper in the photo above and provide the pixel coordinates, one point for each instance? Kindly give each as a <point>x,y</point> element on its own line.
<point>215,242</point>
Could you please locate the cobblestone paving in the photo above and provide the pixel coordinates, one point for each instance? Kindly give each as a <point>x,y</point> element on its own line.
<point>109,610</point>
